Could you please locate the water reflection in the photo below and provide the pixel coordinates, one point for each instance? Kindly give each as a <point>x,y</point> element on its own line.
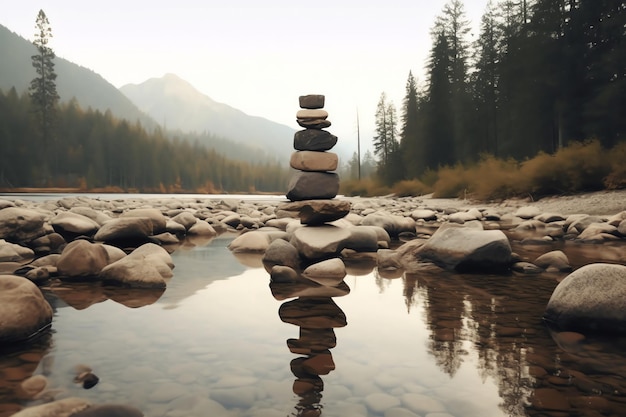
<point>317,315</point>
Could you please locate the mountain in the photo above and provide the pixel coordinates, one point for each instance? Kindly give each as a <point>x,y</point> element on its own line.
<point>179,106</point>
<point>73,81</point>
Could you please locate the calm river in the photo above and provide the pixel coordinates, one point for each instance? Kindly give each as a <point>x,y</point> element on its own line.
<point>218,342</point>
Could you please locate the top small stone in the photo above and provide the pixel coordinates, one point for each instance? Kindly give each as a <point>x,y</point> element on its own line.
<point>312,101</point>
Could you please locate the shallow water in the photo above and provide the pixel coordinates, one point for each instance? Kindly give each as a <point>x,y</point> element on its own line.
<point>217,343</point>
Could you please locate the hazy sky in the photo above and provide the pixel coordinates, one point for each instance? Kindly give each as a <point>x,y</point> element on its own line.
<point>257,56</point>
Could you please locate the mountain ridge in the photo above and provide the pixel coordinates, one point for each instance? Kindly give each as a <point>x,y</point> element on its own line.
<point>182,107</point>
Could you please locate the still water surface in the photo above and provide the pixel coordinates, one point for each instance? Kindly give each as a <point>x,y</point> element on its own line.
<point>217,343</point>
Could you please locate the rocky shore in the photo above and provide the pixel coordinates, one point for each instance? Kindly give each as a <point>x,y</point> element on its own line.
<point>305,246</point>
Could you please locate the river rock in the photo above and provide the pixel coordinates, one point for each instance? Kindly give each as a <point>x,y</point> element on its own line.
<point>597,232</point>
<point>125,229</point>
<point>317,212</point>
<point>134,272</point>
<point>367,239</point>
<point>156,255</point>
<point>319,241</point>
<point>66,407</point>
<point>314,140</point>
<point>73,223</point>
<point>156,217</point>
<point>12,252</point>
<point>51,242</point>
<point>185,218</point>
<point>393,224</point>
<point>256,241</point>
<point>314,161</point>
<point>82,260</point>
<point>20,224</point>
<point>280,274</point>
<point>312,186</point>
<point>467,249</point>
<point>554,261</point>
<point>281,252</point>
<point>202,228</point>
<point>329,272</point>
<point>592,298</point>
<point>24,312</point>
<point>424,214</point>
<point>311,101</point>
<point>95,215</point>
<point>527,212</point>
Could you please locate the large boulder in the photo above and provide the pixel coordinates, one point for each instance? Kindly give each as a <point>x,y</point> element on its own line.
<point>82,260</point>
<point>467,249</point>
<point>24,312</point>
<point>592,298</point>
<point>20,224</point>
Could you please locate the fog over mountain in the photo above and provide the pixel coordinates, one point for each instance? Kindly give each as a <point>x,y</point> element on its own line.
<point>177,105</point>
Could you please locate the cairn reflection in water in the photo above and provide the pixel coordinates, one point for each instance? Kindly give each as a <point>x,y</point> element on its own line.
<point>317,315</point>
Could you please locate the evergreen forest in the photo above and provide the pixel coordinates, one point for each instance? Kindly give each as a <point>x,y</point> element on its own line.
<point>541,75</point>
<point>91,150</point>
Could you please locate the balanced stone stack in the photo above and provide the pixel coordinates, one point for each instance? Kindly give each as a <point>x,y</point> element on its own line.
<point>314,178</point>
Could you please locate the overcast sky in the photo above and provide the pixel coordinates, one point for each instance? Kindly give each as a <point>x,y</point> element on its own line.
<point>257,56</point>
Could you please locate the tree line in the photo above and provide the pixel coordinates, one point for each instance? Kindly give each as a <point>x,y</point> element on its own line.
<point>47,144</point>
<point>90,150</point>
<point>541,75</point>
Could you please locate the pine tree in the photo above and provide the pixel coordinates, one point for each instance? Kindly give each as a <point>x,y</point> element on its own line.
<point>43,90</point>
<point>411,140</point>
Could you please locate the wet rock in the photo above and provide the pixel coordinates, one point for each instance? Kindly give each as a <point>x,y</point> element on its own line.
<point>283,274</point>
<point>592,298</point>
<point>21,224</point>
<point>329,272</point>
<point>145,267</point>
<point>393,224</point>
<point>281,252</point>
<point>50,242</point>
<point>597,232</point>
<point>66,407</point>
<point>24,312</point>
<point>467,249</point>
<point>554,261</point>
<point>38,275</point>
<point>82,260</point>
<point>526,268</point>
<point>177,228</point>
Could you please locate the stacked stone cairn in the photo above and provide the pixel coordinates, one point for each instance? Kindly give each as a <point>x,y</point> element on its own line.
<point>313,178</point>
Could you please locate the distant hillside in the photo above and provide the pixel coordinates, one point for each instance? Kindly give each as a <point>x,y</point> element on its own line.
<point>73,81</point>
<point>177,104</point>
